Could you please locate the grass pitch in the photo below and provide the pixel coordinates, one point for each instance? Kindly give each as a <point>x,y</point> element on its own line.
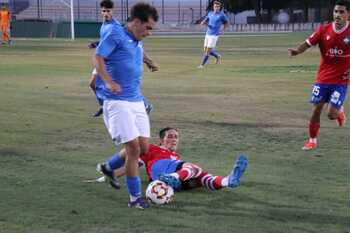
<point>255,102</point>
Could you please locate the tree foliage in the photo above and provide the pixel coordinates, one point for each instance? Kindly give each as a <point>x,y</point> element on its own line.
<point>236,6</point>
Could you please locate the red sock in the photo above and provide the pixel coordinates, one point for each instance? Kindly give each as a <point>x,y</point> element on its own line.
<point>189,171</point>
<point>210,182</point>
<point>314,129</point>
<point>183,174</point>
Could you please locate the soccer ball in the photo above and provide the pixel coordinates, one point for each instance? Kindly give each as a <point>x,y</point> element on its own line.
<point>159,192</point>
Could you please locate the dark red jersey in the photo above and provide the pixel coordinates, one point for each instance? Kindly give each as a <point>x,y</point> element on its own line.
<point>335,53</point>
<point>156,153</point>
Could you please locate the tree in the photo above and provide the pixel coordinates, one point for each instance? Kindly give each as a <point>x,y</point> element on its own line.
<point>236,6</point>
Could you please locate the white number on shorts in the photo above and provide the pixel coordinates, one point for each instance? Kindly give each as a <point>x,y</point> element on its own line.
<point>335,97</point>
<point>316,90</point>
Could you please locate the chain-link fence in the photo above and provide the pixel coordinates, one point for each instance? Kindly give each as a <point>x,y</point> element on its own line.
<point>177,12</point>
<point>51,18</point>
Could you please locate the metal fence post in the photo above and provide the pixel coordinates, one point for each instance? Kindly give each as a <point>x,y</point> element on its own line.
<point>37,8</point>
<point>97,10</point>
<point>162,11</point>
<point>179,13</point>
<point>78,2</point>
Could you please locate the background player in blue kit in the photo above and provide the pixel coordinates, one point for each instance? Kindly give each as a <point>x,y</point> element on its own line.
<point>214,21</point>
<point>119,63</point>
<point>96,84</point>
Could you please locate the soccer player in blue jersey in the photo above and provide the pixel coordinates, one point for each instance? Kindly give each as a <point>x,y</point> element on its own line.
<point>119,62</point>
<point>216,22</point>
<point>96,84</point>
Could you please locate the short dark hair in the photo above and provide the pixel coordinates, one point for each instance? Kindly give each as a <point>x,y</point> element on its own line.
<point>107,4</point>
<point>163,131</point>
<point>143,11</point>
<point>217,3</point>
<point>345,3</point>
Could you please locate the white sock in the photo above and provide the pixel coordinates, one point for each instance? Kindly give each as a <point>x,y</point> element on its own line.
<point>313,140</point>
<point>175,175</point>
<point>132,198</point>
<point>224,182</point>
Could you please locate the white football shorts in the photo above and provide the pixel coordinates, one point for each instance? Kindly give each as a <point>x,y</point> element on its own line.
<point>125,120</point>
<point>210,41</point>
<point>94,71</point>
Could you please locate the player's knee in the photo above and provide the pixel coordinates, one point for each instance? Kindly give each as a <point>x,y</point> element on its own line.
<point>133,150</point>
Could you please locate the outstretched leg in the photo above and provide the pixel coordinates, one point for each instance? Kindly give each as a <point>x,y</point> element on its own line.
<point>192,176</point>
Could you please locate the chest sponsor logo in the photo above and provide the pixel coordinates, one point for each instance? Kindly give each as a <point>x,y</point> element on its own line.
<point>335,52</point>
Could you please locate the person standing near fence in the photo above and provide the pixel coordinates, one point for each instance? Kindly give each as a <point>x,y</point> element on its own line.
<point>5,17</point>
<point>334,72</point>
<point>214,21</point>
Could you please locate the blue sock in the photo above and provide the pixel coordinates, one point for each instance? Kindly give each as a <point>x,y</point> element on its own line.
<point>134,186</point>
<point>115,162</point>
<point>205,59</point>
<point>214,53</point>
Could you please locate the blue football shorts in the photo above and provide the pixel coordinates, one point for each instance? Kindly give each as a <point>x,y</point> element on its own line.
<point>165,166</point>
<point>333,94</point>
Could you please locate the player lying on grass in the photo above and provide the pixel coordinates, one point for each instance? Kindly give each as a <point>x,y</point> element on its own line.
<point>163,163</point>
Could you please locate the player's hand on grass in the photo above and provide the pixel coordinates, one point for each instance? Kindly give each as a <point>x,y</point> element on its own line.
<point>346,75</point>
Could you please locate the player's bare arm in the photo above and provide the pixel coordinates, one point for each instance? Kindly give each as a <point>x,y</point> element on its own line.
<point>151,64</point>
<point>300,49</point>
<point>224,28</point>
<point>101,70</point>
<point>204,23</point>
<point>92,83</point>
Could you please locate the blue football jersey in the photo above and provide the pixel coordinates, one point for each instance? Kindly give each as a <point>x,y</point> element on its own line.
<point>215,20</point>
<point>123,56</point>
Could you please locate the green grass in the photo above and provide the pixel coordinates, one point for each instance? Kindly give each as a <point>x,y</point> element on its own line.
<point>255,102</point>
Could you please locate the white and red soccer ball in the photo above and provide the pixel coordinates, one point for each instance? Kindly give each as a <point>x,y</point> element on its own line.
<point>159,192</point>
